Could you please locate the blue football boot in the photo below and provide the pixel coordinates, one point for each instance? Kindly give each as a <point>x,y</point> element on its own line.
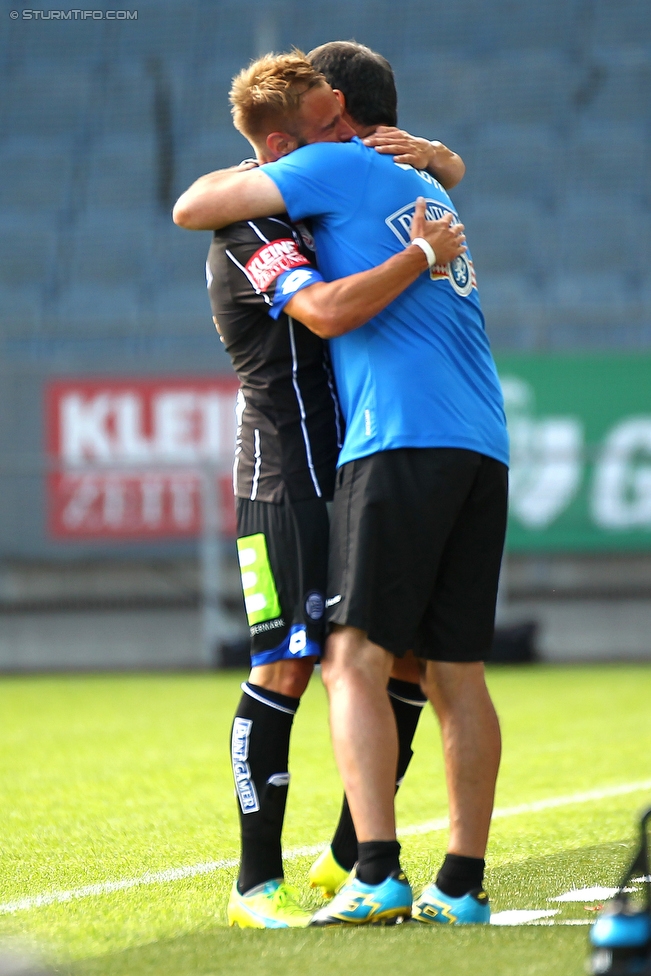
<point>362,904</point>
<point>434,908</point>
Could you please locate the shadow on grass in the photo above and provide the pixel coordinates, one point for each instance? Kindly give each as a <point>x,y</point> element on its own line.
<point>438,951</point>
<point>381,952</point>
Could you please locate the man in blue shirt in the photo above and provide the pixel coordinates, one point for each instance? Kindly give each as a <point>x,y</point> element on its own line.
<point>420,503</point>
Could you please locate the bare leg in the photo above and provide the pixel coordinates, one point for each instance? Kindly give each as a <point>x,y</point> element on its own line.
<point>407,668</point>
<point>288,677</point>
<point>471,745</point>
<point>355,673</point>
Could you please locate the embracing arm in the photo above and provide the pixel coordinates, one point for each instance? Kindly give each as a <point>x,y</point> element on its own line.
<point>446,166</point>
<point>227,195</point>
<point>333,308</point>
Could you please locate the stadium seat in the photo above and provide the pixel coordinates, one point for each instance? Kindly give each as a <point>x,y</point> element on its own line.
<point>625,23</point>
<point>46,99</point>
<point>503,233</point>
<point>128,105</point>
<point>522,159</point>
<point>612,159</point>
<point>182,309</point>
<point>556,142</point>
<point>36,171</point>
<point>524,87</point>
<point>26,246</point>
<point>621,91</point>
<point>86,310</point>
<point>109,246</point>
<point>602,234</point>
<point>122,172</point>
<point>183,256</point>
<point>21,311</point>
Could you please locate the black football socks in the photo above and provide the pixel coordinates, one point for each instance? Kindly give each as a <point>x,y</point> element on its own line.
<point>407,700</point>
<point>377,859</point>
<point>459,875</point>
<point>259,754</point>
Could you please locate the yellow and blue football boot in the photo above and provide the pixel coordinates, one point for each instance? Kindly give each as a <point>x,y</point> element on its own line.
<point>435,908</point>
<point>362,904</point>
<point>271,905</point>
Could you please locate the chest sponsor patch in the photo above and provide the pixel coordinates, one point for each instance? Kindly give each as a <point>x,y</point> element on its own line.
<point>272,260</point>
<point>460,272</point>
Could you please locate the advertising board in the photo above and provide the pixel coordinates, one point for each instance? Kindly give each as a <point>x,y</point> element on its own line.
<point>127,456</point>
<point>580,431</point>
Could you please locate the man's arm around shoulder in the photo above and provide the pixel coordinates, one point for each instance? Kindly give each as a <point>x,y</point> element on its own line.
<point>227,195</point>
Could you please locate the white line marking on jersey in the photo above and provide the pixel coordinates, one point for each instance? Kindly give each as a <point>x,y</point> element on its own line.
<point>240,407</point>
<point>283,223</point>
<point>335,400</point>
<point>301,407</point>
<point>193,870</point>
<point>257,231</point>
<point>258,464</point>
<point>248,277</point>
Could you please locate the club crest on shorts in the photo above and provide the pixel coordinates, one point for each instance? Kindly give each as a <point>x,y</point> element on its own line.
<point>314,605</point>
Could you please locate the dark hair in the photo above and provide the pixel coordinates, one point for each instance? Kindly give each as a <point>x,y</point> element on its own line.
<point>365,78</point>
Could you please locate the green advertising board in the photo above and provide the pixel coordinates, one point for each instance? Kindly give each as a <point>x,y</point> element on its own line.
<point>580,429</point>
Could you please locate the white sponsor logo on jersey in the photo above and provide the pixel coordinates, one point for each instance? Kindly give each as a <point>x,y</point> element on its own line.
<point>295,280</point>
<point>272,260</point>
<point>460,272</point>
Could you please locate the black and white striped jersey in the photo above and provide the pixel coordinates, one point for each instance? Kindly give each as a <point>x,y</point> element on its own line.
<point>289,424</point>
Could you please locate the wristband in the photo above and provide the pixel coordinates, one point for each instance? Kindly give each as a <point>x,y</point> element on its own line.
<point>427,249</point>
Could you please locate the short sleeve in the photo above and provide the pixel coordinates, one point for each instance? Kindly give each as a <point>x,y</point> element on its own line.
<point>288,284</point>
<point>319,179</point>
<point>252,261</point>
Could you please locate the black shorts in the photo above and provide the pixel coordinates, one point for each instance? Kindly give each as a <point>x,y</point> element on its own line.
<point>283,553</point>
<point>416,542</point>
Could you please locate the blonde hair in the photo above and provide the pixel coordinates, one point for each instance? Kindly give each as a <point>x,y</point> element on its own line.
<point>269,92</point>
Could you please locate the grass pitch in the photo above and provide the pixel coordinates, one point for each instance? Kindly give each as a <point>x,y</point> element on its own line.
<point>109,782</point>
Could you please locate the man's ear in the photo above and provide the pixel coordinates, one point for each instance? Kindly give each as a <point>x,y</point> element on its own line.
<point>341,98</point>
<point>280,144</point>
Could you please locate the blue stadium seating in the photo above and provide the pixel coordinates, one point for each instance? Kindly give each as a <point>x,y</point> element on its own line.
<point>549,104</point>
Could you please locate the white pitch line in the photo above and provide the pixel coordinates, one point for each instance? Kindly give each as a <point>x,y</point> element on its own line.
<point>209,867</point>
<point>538,805</point>
<point>564,921</point>
<point>522,916</point>
<point>596,893</point>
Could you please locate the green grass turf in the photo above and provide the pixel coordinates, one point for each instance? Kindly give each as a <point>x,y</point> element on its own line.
<point>107,777</point>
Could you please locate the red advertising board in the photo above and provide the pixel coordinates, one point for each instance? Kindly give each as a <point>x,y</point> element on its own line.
<point>128,456</point>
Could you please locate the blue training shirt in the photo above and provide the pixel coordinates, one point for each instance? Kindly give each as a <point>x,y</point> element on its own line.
<point>421,373</point>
